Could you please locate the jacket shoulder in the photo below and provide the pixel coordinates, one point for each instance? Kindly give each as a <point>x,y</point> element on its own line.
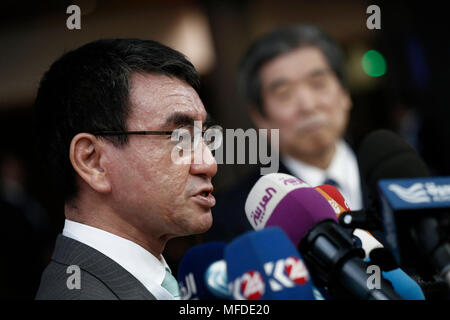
<point>100,276</point>
<point>60,282</point>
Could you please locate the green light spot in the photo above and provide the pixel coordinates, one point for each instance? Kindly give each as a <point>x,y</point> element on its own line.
<point>373,63</point>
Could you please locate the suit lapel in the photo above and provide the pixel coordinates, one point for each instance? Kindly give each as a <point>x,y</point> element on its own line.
<point>115,277</point>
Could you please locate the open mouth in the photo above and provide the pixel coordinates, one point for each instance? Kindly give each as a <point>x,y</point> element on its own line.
<point>205,198</point>
<point>204,193</point>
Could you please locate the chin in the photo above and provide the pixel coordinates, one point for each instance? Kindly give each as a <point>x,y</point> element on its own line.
<point>202,224</point>
<point>317,144</point>
<point>206,225</point>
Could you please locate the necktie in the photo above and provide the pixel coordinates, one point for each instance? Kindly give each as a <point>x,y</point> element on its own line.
<point>170,284</point>
<point>331,182</point>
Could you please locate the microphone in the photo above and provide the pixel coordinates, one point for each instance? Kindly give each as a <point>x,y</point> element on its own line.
<point>310,222</point>
<point>414,206</point>
<point>265,265</point>
<point>334,197</point>
<point>361,219</point>
<point>217,281</point>
<point>340,206</point>
<point>193,267</point>
<point>404,285</point>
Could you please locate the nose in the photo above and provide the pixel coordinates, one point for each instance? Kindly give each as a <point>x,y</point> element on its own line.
<point>305,100</point>
<point>204,162</point>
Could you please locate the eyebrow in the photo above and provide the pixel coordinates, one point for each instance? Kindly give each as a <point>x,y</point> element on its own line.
<point>314,73</point>
<point>181,119</point>
<point>318,72</point>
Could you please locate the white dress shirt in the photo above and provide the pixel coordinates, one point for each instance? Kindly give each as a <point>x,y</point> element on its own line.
<point>143,265</point>
<point>343,169</point>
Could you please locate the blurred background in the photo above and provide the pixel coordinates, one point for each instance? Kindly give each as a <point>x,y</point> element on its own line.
<point>407,92</point>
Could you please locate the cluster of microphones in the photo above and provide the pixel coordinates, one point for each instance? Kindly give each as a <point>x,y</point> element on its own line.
<point>308,245</point>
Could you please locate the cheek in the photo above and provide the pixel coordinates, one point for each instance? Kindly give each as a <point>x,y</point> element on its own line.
<point>280,116</point>
<point>285,121</point>
<point>148,172</point>
<point>336,106</point>
<point>339,115</point>
<point>161,173</point>
<point>170,179</point>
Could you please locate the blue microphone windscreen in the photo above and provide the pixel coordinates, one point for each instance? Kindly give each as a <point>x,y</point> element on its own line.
<point>404,285</point>
<point>265,265</point>
<point>192,269</point>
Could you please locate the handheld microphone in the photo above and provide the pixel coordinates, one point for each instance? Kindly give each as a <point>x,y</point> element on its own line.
<point>217,281</point>
<point>192,270</point>
<point>334,197</point>
<point>310,222</point>
<point>415,207</point>
<point>403,284</point>
<point>359,219</point>
<point>340,206</point>
<point>265,265</point>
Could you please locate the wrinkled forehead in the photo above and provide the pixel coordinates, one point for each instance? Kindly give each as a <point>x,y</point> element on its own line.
<point>155,99</point>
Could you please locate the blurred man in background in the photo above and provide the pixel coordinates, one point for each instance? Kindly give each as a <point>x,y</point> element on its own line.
<point>292,79</point>
<point>106,113</point>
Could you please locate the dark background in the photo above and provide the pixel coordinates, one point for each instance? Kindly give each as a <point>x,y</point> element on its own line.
<point>411,98</point>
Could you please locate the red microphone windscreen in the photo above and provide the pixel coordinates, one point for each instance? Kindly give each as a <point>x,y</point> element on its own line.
<point>332,193</point>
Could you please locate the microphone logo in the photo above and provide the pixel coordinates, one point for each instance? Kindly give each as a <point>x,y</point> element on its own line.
<point>414,194</point>
<point>282,274</point>
<point>189,291</point>
<point>335,206</point>
<point>296,270</point>
<point>251,287</point>
<point>216,279</point>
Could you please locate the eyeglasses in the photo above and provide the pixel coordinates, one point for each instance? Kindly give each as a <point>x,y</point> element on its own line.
<point>188,137</point>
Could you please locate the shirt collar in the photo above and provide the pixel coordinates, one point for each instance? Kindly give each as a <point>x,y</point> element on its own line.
<point>343,169</point>
<point>336,169</point>
<point>143,265</point>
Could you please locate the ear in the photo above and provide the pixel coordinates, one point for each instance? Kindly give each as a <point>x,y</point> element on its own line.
<point>86,156</point>
<point>259,120</point>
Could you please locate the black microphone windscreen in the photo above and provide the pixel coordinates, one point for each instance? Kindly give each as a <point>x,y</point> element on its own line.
<point>385,155</point>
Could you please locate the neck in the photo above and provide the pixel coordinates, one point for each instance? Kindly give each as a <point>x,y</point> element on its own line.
<point>108,221</point>
<point>320,160</point>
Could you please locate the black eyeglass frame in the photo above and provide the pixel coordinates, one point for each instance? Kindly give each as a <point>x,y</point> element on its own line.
<point>147,133</point>
<point>153,133</point>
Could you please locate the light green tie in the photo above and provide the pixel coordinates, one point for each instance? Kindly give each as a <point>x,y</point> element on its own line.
<point>170,284</point>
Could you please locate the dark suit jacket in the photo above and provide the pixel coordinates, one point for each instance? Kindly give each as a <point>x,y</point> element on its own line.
<point>101,277</point>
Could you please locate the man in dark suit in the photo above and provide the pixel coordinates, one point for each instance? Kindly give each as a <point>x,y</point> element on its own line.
<point>119,122</point>
<point>292,79</point>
